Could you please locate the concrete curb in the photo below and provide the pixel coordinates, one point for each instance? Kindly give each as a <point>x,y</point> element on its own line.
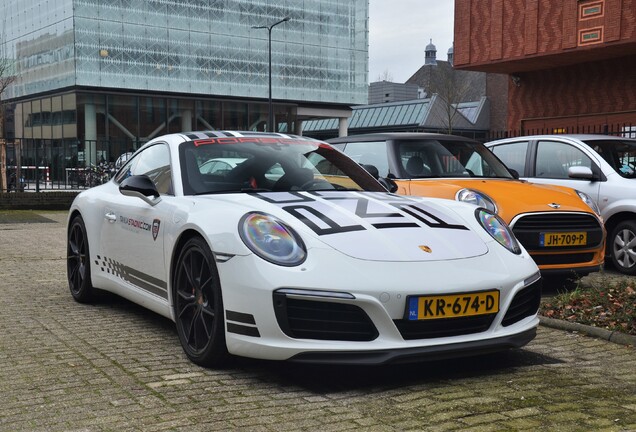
<point>608,335</point>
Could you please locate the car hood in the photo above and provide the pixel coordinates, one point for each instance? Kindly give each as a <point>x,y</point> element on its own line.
<point>377,226</point>
<point>513,197</point>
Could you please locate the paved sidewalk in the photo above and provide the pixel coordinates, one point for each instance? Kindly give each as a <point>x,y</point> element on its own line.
<point>113,366</point>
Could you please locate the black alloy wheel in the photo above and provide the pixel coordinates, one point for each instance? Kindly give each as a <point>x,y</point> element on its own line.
<point>198,305</point>
<point>78,266</point>
<point>623,247</point>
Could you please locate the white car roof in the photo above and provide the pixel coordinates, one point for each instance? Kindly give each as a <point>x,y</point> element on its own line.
<point>579,137</point>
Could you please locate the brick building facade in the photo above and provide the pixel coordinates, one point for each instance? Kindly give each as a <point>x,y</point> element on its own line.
<point>571,63</point>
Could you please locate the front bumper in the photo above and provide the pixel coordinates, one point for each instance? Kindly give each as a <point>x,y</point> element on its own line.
<point>254,327</point>
<point>418,354</point>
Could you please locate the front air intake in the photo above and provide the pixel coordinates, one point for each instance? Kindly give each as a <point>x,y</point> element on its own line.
<point>524,304</point>
<point>323,320</point>
<point>447,327</point>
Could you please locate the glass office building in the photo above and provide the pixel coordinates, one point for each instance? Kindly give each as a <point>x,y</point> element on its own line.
<point>94,76</point>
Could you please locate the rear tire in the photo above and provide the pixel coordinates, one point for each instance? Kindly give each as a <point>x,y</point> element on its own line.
<point>622,247</point>
<point>198,305</point>
<point>78,262</point>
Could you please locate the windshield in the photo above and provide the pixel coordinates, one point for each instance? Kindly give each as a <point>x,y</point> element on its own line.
<point>433,158</point>
<point>620,154</point>
<point>255,164</point>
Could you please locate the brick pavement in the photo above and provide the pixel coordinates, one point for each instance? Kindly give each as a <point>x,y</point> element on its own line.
<point>113,366</point>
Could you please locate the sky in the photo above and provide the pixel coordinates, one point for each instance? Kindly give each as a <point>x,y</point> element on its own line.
<point>399,31</point>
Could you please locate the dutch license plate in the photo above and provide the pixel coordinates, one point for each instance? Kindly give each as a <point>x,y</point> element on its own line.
<point>549,239</point>
<point>452,306</point>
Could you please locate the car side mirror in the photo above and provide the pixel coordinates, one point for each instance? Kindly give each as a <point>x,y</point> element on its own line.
<point>371,169</point>
<point>388,184</point>
<point>140,186</point>
<point>514,173</point>
<point>580,172</point>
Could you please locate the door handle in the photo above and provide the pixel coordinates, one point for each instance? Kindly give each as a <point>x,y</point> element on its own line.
<point>110,217</point>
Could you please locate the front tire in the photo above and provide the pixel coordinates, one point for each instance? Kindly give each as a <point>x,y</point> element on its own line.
<point>198,305</point>
<point>623,247</point>
<point>78,262</point>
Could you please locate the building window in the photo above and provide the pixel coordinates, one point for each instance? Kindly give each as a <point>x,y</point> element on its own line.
<point>591,36</point>
<point>588,10</point>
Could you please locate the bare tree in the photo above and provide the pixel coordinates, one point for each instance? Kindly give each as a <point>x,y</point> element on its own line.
<point>385,76</point>
<point>453,87</point>
<point>7,77</point>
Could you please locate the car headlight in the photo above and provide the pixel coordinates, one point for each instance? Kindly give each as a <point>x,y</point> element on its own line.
<point>477,198</point>
<point>271,239</point>
<point>589,201</point>
<point>498,229</point>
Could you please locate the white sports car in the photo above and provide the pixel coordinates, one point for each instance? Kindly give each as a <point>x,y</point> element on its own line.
<point>298,253</point>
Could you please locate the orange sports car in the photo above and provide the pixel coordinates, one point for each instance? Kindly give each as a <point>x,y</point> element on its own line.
<point>559,226</point>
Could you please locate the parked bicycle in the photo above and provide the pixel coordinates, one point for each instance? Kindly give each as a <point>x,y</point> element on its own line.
<point>95,175</point>
<point>14,184</point>
<point>90,176</point>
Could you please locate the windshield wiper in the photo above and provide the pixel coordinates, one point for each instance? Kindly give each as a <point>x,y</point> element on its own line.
<point>255,190</point>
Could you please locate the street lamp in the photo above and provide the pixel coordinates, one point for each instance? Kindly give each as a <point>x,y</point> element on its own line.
<point>270,121</point>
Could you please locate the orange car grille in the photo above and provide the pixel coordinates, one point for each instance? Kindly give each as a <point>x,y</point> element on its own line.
<point>528,229</point>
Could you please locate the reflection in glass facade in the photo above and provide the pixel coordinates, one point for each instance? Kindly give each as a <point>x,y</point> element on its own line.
<point>96,78</point>
<point>38,36</point>
<point>202,47</point>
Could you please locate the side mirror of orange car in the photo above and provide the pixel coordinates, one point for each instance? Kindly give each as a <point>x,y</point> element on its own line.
<point>388,184</point>
<point>371,169</point>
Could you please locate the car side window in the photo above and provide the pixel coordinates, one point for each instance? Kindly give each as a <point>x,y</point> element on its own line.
<point>513,155</point>
<point>153,162</point>
<point>369,153</point>
<point>555,158</point>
